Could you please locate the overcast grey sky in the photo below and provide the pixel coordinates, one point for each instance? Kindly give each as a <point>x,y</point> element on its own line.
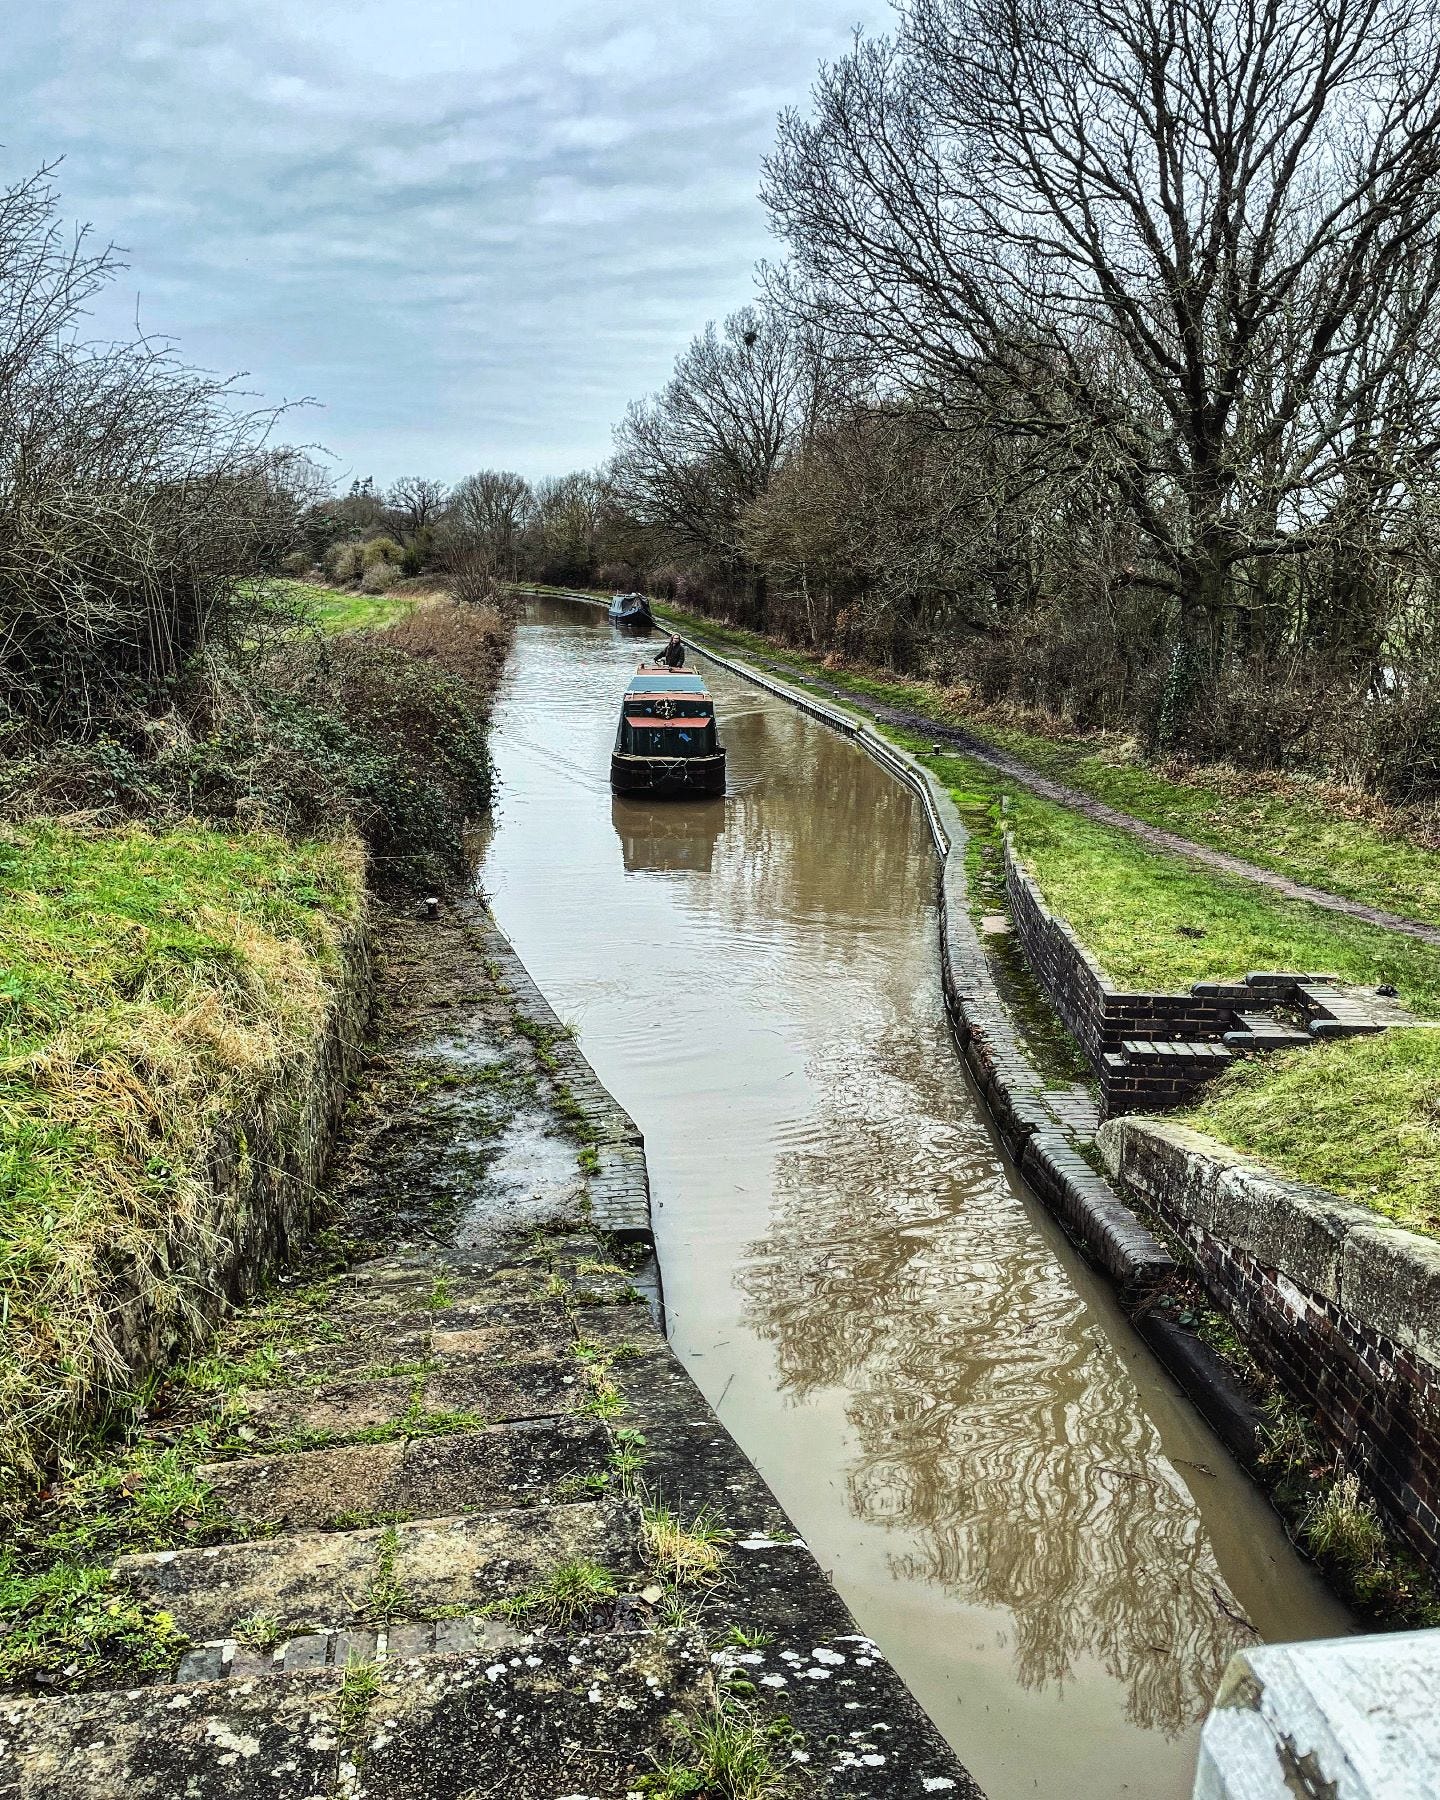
<point>472,229</point>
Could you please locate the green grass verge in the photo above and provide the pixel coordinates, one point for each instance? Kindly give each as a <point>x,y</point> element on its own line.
<point>341,609</point>
<point>1360,1117</point>
<point>158,993</point>
<point>1324,836</point>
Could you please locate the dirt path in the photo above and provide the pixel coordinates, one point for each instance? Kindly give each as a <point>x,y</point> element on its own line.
<point>957,738</point>
<point>468,1529</point>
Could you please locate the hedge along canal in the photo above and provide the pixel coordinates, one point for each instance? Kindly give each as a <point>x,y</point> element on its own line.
<point>1045,1539</point>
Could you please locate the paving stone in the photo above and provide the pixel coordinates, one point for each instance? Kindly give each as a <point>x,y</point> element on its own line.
<point>514,1465</point>
<point>543,1387</point>
<point>337,1408</point>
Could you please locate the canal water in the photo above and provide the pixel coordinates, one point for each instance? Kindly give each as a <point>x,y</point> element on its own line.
<point>1013,1499</point>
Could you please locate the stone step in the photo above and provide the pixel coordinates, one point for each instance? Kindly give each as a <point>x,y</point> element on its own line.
<point>564,1716</point>
<point>416,1478</point>
<point>335,1581</point>
<point>502,1362</point>
<point>232,1659</point>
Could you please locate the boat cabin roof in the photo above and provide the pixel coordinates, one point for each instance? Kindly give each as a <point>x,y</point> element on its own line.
<point>665,681</point>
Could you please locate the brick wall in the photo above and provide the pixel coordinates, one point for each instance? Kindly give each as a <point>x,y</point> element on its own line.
<point>1375,1402</point>
<point>1356,1343</point>
<point>1101,1017</point>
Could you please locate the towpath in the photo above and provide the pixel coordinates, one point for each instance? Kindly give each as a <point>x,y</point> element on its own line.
<point>476,1532</point>
<point>955,737</point>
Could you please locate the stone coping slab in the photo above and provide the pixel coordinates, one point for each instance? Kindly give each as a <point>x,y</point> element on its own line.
<point>1346,1719</point>
<point>1381,1275</point>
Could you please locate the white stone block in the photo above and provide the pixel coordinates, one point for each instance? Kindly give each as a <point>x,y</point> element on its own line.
<point>1346,1719</point>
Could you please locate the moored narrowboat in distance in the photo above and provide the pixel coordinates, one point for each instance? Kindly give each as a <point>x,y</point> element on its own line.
<point>632,610</point>
<point>666,744</point>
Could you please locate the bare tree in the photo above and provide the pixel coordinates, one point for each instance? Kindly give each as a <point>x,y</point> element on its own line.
<point>690,460</point>
<point>1191,244</point>
<point>417,501</point>
<point>483,523</point>
<point>136,497</point>
<point>566,526</point>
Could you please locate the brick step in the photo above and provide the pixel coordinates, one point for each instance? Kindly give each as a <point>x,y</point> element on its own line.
<point>415,1478</point>
<point>569,1715</point>
<point>1341,1010</point>
<point>333,1582</point>
<point>1263,1031</point>
<point>232,1659</point>
<point>1179,1054</point>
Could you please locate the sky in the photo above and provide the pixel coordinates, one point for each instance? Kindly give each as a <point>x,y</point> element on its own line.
<point>470,230</point>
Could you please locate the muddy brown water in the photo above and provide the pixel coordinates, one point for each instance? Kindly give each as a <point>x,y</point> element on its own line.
<point>1014,1500</point>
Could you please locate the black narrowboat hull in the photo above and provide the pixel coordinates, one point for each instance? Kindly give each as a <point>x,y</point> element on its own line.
<point>668,777</point>
<point>636,615</point>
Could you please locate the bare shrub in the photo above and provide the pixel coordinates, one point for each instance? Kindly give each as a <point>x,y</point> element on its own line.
<point>619,577</point>
<point>470,574</point>
<point>379,576</point>
<point>136,500</point>
<point>664,581</point>
<point>470,640</point>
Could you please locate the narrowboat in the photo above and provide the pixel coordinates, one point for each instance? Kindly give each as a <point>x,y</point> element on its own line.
<point>632,610</point>
<point>666,743</point>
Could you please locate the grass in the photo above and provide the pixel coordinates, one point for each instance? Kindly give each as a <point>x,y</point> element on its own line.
<point>1157,921</point>
<point>341,609</point>
<point>1360,1117</point>
<point>683,1552</point>
<point>725,1754</point>
<point>1314,831</point>
<point>566,1596</point>
<point>162,994</point>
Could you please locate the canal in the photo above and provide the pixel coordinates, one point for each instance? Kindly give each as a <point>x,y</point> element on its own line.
<point>1013,1499</point>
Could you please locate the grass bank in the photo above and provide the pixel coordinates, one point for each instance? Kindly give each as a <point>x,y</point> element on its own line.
<point>164,1010</point>
<point>331,609</point>
<point>182,969</point>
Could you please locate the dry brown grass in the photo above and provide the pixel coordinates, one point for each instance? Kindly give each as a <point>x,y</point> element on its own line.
<point>470,641</point>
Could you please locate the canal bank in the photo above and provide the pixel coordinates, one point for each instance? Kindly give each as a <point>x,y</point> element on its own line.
<point>1011,1495</point>
<point>454,1520</point>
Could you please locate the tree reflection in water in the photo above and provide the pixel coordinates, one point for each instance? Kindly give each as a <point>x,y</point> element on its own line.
<point>996,1425</point>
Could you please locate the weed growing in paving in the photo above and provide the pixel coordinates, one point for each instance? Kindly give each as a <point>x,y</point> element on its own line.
<point>259,1631</point>
<point>359,1686</point>
<point>684,1553</point>
<point>387,1597</point>
<point>70,1626</point>
<point>570,1593</point>
<point>725,1754</point>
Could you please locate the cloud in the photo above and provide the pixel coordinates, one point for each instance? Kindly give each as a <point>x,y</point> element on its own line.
<point>474,231</point>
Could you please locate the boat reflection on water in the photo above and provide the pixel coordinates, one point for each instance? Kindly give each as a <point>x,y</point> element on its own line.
<point>662,835</point>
